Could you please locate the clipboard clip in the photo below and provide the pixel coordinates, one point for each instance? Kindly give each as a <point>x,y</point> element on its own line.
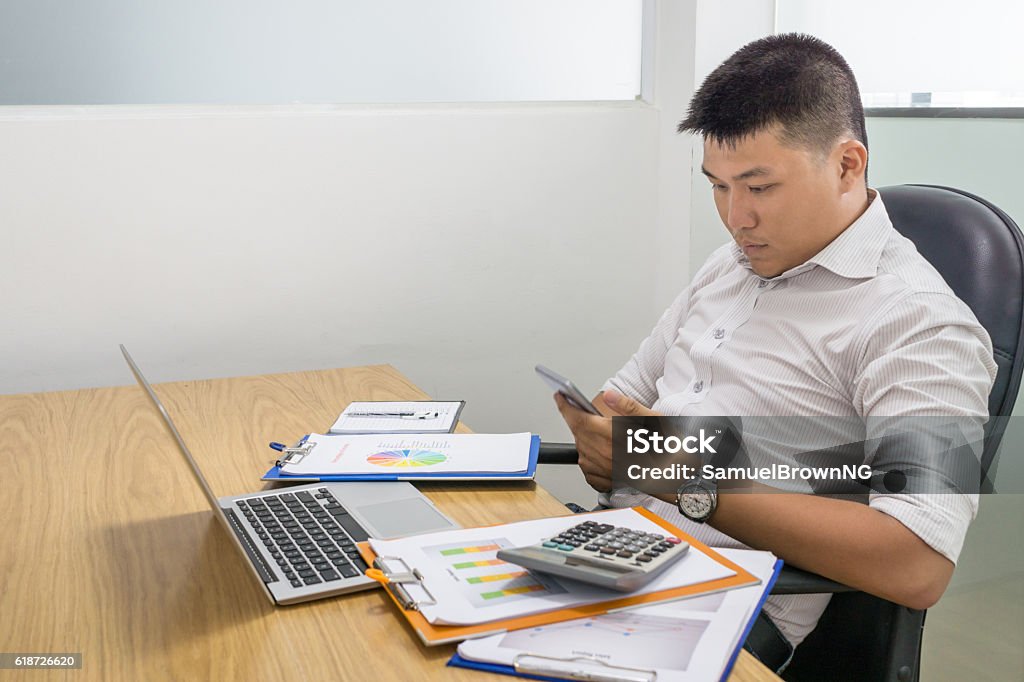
<point>571,669</point>
<point>395,581</point>
<point>294,455</point>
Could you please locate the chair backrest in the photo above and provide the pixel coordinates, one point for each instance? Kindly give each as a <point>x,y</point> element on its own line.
<point>979,251</point>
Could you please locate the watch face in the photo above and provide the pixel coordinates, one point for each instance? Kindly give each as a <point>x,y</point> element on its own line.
<point>695,505</point>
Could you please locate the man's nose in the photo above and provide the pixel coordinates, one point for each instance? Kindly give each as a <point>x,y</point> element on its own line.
<point>738,213</point>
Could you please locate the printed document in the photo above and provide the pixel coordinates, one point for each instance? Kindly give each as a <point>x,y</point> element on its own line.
<point>413,454</point>
<point>689,640</point>
<point>415,416</point>
<point>469,585</point>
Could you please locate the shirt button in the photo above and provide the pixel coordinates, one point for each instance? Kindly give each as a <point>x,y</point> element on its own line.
<point>719,333</point>
<point>698,387</point>
<point>762,284</point>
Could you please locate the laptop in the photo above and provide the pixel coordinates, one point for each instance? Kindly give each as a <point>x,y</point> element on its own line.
<point>299,541</point>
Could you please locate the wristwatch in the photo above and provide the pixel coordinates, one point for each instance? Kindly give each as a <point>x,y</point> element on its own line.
<point>698,499</point>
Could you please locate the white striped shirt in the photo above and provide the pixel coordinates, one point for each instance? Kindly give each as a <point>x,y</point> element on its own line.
<point>865,328</point>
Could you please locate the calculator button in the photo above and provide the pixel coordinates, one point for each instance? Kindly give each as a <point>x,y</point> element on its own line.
<point>591,548</point>
<point>550,544</point>
<point>607,550</point>
<point>616,545</point>
<point>625,554</point>
<point>565,548</point>
<point>674,541</point>
<point>643,558</point>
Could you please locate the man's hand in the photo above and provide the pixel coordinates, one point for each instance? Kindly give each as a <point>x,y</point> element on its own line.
<point>593,434</point>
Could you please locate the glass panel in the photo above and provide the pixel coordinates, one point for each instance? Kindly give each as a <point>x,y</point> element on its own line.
<point>922,52</point>
<point>317,51</point>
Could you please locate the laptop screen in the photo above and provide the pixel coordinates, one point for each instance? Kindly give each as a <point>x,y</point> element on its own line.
<point>200,479</point>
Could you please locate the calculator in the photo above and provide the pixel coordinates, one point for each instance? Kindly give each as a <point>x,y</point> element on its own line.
<point>601,554</point>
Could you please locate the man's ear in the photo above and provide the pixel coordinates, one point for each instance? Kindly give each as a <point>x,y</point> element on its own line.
<point>853,162</point>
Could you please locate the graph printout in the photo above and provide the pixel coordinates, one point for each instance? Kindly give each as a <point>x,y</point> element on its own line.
<point>421,453</point>
<point>658,641</point>
<point>407,458</point>
<point>690,640</point>
<point>467,585</point>
<point>486,581</point>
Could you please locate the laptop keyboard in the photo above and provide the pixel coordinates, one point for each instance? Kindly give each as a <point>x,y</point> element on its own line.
<point>309,534</point>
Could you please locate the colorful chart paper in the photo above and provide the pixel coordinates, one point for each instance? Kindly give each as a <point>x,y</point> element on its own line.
<point>406,458</point>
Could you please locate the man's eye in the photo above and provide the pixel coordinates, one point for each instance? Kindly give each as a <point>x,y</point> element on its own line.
<point>760,189</point>
<point>718,188</point>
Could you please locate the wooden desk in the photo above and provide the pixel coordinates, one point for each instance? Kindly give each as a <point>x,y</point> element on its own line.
<point>109,548</point>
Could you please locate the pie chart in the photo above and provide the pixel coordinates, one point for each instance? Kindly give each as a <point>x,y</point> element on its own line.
<point>406,458</point>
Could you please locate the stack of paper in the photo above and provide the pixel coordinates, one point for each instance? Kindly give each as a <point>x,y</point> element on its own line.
<point>683,641</point>
<point>451,586</point>
<point>456,456</point>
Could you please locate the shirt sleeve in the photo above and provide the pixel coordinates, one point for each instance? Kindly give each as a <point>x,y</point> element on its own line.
<point>922,388</point>
<point>638,378</point>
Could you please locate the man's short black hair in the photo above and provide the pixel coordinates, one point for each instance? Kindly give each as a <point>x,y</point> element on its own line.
<point>792,80</point>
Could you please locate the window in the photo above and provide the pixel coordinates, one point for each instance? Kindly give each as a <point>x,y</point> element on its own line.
<point>317,51</point>
<point>921,54</point>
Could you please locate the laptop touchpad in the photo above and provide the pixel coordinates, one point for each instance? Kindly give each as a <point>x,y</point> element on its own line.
<point>402,517</point>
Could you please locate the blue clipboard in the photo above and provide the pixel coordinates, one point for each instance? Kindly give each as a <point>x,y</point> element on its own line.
<point>275,473</point>
<point>457,661</point>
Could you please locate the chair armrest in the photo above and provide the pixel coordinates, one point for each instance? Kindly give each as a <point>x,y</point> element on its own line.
<point>557,453</point>
<point>796,581</point>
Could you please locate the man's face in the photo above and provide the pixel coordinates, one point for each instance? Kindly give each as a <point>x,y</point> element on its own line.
<point>781,204</point>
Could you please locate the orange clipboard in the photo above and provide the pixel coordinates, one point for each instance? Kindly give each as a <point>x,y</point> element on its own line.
<point>433,635</point>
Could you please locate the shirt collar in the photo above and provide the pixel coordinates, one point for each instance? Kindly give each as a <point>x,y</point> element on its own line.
<point>855,253</point>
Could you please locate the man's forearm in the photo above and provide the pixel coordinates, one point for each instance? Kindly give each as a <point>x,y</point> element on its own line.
<point>846,541</point>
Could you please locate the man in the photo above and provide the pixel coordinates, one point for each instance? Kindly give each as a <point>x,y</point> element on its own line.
<point>818,307</point>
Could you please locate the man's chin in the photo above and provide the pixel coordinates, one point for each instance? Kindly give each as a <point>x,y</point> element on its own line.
<point>765,272</point>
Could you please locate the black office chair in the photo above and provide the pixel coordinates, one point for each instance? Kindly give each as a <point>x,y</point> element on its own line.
<point>979,250</point>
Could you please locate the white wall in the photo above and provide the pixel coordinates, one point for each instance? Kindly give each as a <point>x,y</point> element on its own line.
<point>461,244</point>
<point>673,82</point>
<point>720,33</point>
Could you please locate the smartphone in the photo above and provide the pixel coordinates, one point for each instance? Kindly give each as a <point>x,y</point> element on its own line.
<point>568,389</point>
